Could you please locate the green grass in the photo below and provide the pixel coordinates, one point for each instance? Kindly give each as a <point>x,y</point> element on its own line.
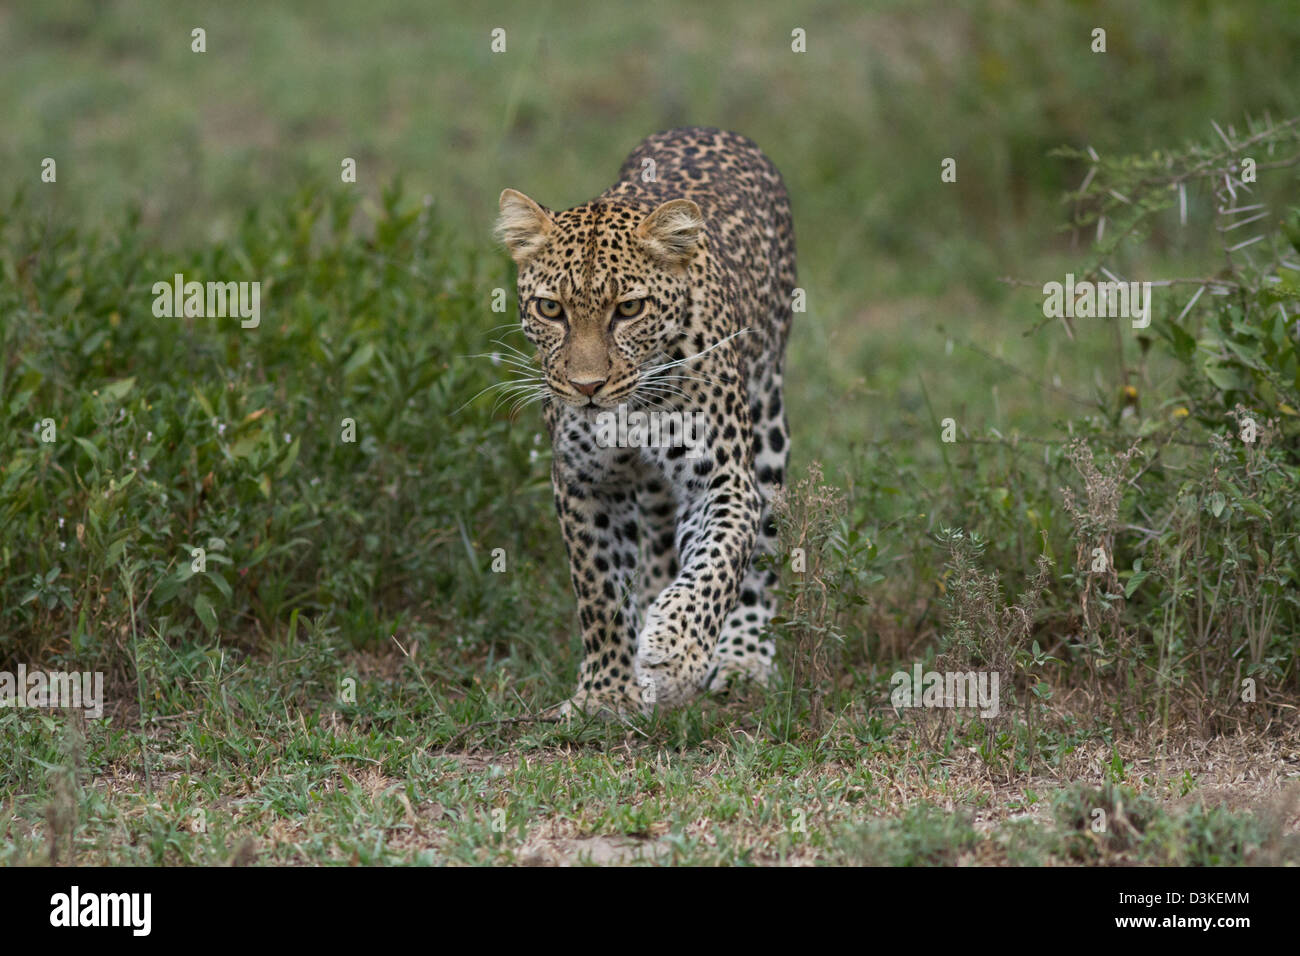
<point>250,762</point>
<point>371,561</point>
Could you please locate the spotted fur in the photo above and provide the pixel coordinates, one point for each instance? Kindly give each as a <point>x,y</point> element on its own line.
<point>698,243</point>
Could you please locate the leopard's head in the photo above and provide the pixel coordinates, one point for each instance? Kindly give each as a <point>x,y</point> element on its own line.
<point>604,290</point>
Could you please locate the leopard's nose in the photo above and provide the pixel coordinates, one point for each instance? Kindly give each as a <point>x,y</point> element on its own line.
<point>588,388</point>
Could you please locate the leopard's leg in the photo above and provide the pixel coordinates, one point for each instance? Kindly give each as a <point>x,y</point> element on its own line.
<point>743,651</point>
<point>658,558</point>
<point>599,525</point>
<point>718,524</point>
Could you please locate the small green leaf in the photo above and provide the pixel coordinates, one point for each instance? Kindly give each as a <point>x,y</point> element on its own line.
<point>118,390</point>
<point>88,447</point>
<point>245,445</point>
<point>222,585</point>
<point>1217,503</point>
<point>168,588</point>
<point>1254,509</point>
<point>204,403</point>
<point>207,614</point>
<point>1134,582</point>
<point>359,358</point>
<point>289,458</point>
<point>1224,378</point>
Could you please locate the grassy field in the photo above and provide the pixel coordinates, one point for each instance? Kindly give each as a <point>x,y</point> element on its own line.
<point>349,681</point>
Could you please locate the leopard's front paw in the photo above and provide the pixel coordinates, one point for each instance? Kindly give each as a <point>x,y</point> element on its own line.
<point>733,673</point>
<point>607,704</point>
<point>669,668</point>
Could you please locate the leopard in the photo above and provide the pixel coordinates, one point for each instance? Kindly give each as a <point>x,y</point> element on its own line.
<point>670,296</point>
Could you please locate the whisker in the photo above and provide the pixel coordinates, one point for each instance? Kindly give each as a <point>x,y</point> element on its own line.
<point>517,383</point>
<point>497,359</point>
<point>690,358</point>
<point>666,396</point>
<point>663,388</point>
<point>514,397</point>
<point>510,348</point>
<point>680,378</point>
<point>541,395</point>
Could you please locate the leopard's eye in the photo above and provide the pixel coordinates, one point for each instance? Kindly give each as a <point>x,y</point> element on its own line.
<point>629,309</point>
<point>549,308</point>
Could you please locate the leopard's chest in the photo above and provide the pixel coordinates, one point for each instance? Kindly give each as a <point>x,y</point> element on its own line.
<point>624,446</point>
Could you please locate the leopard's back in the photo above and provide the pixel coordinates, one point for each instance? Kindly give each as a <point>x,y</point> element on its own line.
<point>750,228</point>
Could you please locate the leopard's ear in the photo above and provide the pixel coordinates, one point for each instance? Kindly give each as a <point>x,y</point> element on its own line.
<point>672,232</point>
<point>523,226</point>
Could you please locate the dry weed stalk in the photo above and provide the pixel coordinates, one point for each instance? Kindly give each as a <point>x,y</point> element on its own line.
<point>1096,523</point>
<point>807,518</point>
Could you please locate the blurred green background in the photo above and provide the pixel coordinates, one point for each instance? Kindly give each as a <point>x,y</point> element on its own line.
<point>907,322</point>
<point>859,124</point>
